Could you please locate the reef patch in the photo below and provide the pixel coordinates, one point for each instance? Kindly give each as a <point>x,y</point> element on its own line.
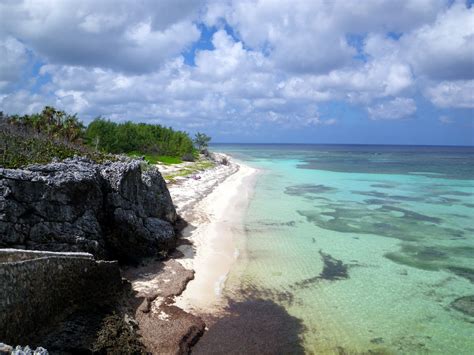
<point>308,190</point>
<point>333,269</point>
<point>465,272</point>
<point>464,304</point>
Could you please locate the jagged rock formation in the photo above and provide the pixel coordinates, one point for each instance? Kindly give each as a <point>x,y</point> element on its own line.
<point>19,350</point>
<point>164,328</point>
<point>112,210</point>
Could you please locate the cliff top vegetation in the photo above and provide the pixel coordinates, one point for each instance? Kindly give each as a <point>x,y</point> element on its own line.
<point>52,133</point>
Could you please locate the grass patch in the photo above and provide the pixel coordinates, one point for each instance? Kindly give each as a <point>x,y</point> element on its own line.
<point>190,170</point>
<point>155,158</point>
<point>165,159</point>
<point>203,165</point>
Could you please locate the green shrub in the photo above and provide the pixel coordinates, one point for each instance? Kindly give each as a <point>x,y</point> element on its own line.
<point>41,137</point>
<point>139,138</point>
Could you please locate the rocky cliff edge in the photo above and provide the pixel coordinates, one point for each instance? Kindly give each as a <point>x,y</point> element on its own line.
<point>116,210</point>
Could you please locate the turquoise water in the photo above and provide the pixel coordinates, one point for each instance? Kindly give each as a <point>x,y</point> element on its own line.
<point>369,246</point>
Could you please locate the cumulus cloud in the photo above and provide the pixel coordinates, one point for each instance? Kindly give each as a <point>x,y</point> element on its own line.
<point>444,49</point>
<point>311,36</point>
<point>395,109</point>
<point>13,56</point>
<point>125,36</point>
<point>452,94</point>
<point>265,63</point>
<point>24,102</point>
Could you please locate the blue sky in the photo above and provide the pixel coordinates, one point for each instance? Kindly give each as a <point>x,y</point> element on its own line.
<point>376,71</point>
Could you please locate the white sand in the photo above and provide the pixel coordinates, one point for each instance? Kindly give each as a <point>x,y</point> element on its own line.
<point>214,207</point>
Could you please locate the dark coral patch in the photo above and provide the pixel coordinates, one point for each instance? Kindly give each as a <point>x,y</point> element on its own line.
<point>464,304</point>
<point>308,190</point>
<point>384,186</point>
<point>378,194</point>
<point>333,270</point>
<point>465,272</point>
<point>456,193</point>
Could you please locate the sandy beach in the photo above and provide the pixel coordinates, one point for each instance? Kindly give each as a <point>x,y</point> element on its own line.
<point>213,206</point>
<point>172,294</point>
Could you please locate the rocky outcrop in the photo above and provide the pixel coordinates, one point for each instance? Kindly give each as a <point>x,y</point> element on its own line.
<point>113,210</point>
<point>164,328</point>
<point>20,350</point>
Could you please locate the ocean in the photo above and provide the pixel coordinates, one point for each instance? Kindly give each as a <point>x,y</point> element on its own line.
<point>367,248</point>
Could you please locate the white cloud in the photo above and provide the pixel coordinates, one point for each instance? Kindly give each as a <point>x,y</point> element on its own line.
<point>125,36</point>
<point>13,56</point>
<point>228,59</point>
<point>452,94</point>
<point>395,109</point>
<point>444,50</point>
<point>284,58</point>
<point>311,36</point>
<point>23,102</point>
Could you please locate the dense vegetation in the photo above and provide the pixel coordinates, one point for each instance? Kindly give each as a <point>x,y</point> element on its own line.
<point>50,122</point>
<point>139,138</point>
<point>41,137</point>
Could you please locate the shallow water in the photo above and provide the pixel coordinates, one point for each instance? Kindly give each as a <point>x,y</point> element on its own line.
<point>367,245</point>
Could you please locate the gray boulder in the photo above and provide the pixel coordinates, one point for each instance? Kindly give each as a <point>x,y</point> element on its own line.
<point>115,209</point>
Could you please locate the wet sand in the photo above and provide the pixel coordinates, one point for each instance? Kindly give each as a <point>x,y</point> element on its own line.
<point>215,223</point>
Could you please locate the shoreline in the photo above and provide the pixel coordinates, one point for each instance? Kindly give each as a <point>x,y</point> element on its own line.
<point>173,296</point>
<point>215,215</point>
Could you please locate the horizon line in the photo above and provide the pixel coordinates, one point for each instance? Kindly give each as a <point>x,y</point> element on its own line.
<point>360,144</point>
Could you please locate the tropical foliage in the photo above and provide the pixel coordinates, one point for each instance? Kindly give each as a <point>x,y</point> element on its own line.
<point>40,137</point>
<point>201,141</point>
<point>141,138</point>
<point>52,123</point>
<point>34,139</point>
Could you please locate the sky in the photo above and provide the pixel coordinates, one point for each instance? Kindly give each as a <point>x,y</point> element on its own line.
<point>282,71</point>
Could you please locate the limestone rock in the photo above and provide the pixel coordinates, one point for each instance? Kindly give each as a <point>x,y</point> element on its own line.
<point>115,209</point>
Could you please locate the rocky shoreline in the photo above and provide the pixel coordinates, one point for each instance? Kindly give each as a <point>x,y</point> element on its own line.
<point>117,210</point>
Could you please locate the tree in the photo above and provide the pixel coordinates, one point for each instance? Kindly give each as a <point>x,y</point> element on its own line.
<point>53,123</point>
<point>201,141</point>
